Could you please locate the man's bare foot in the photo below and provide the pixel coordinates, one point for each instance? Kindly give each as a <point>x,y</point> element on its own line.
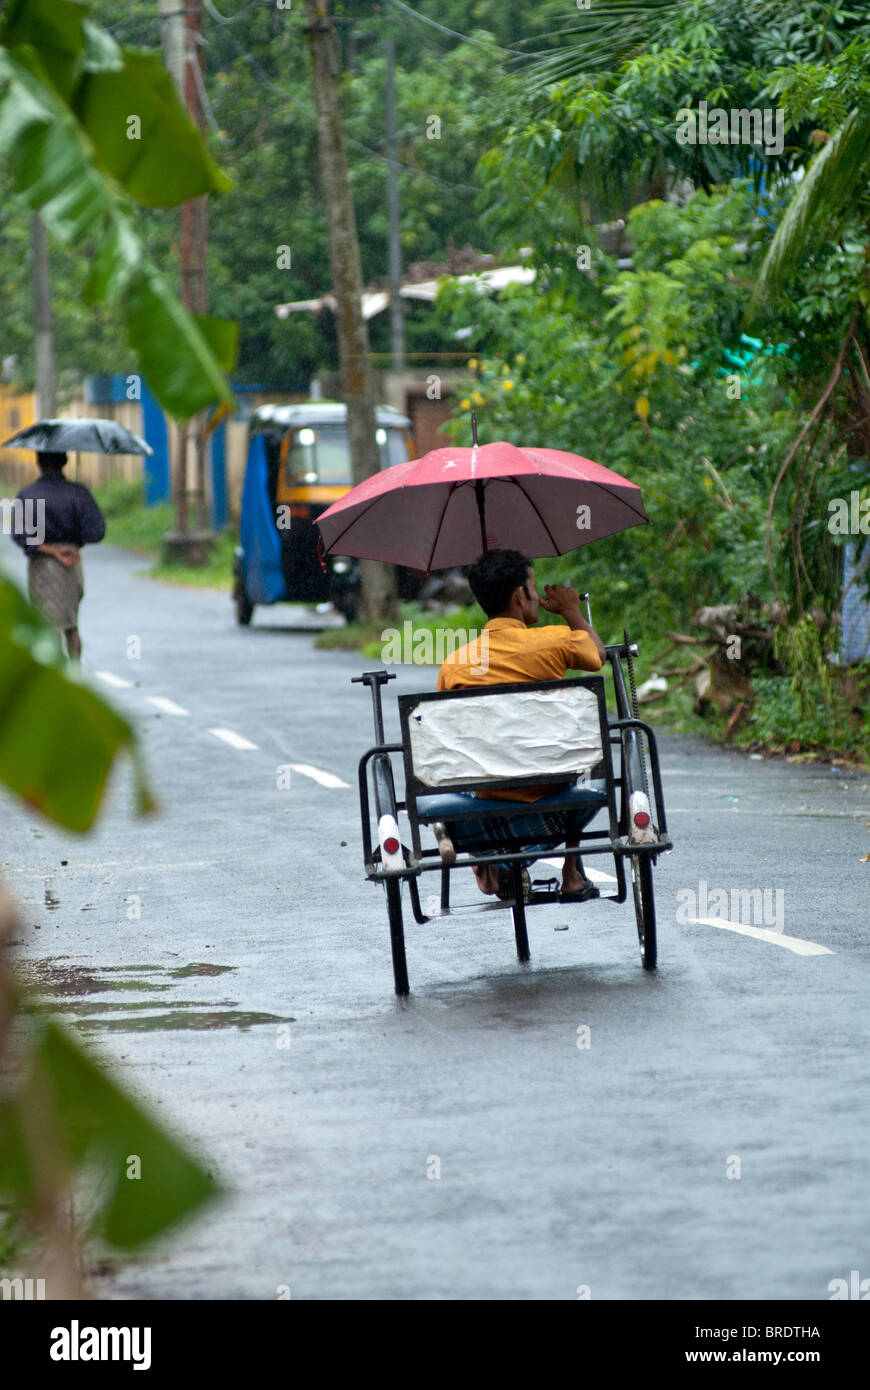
<point>573,881</point>
<point>487,877</point>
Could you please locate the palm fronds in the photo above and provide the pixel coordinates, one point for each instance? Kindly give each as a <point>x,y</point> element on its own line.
<point>839,171</point>
<point>604,36</point>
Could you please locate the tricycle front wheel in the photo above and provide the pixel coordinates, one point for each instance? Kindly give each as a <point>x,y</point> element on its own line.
<point>397,935</point>
<point>644,907</point>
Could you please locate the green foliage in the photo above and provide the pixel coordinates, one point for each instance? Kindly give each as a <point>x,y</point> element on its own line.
<point>61,1115</point>
<point>139,528</point>
<point>216,573</point>
<point>86,1119</point>
<point>119,497</point>
<point>645,390</point>
<point>41,701</point>
<point>58,144</point>
<point>806,707</point>
<point>259,88</point>
<point>818,206</point>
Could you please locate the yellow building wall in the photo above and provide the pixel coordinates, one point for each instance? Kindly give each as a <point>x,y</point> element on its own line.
<point>17,412</point>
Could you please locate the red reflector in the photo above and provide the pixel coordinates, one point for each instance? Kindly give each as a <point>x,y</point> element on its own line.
<point>391,846</point>
<point>641,819</point>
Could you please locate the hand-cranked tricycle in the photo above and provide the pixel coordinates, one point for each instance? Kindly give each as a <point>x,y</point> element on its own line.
<point>459,748</point>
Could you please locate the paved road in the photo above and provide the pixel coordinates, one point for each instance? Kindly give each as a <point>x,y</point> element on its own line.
<point>562,1167</point>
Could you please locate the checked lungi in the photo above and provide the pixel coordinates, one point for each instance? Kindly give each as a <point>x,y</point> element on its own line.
<point>55,589</point>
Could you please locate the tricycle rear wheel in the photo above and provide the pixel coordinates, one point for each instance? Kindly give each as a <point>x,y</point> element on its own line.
<point>644,908</point>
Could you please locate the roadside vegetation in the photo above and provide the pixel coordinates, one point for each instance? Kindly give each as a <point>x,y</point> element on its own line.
<point>133,526</point>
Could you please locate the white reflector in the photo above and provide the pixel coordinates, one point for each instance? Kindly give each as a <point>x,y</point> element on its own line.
<point>637,834</point>
<point>389,830</point>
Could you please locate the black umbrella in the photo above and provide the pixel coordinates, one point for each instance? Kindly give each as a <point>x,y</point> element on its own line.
<point>80,436</point>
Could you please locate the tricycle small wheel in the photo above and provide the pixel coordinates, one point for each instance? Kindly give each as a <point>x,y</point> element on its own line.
<point>397,935</point>
<point>644,907</point>
<point>243,605</point>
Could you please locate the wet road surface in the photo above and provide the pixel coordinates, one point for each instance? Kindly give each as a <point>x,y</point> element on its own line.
<point>509,1131</point>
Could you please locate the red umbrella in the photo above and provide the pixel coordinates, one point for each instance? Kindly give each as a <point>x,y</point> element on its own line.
<point>444,509</point>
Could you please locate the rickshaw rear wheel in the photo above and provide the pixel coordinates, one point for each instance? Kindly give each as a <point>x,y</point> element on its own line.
<point>244,607</point>
<point>397,935</point>
<point>644,908</point>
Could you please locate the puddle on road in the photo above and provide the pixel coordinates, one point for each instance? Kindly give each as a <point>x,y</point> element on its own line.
<point>181,972</point>
<point>71,984</point>
<point>160,1023</point>
<point>71,981</point>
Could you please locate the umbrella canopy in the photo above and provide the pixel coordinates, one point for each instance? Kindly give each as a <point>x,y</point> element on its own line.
<point>80,436</point>
<point>448,507</point>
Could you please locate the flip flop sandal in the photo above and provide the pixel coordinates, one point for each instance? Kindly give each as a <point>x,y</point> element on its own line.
<point>583,896</point>
<point>551,887</point>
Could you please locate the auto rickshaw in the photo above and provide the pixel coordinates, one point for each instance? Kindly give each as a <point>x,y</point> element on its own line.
<point>298,464</point>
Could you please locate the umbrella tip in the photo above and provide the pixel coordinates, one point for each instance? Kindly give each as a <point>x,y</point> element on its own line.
<point>474,427</point>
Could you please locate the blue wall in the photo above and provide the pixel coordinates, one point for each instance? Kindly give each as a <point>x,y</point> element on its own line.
<point>156,433</point>
<point>856,609</point>
<point>112,389</point>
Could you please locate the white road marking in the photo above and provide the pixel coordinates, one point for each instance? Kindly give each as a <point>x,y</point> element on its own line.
<point>791,943</point>
<point>233,739</point>
<point>326,779</point>
<point>117,681</point>
<point>167,706</point>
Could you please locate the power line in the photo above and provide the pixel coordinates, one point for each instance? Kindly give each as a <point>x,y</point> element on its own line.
<point>410,169</point>
<point>193,62</point>
<point>466,38</point>
<point>230,19</point>
<point>268,81</point>
<point>276,86</point>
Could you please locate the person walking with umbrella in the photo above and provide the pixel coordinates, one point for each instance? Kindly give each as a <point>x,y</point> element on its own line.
<point>70,519</point>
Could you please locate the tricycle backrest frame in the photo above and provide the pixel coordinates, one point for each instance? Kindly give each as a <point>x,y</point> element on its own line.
<point>412,708</point>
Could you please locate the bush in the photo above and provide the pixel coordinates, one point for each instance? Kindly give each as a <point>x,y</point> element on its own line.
<point>120,496</point>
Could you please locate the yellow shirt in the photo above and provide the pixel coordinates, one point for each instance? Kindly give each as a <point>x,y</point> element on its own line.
<point>509,652</point>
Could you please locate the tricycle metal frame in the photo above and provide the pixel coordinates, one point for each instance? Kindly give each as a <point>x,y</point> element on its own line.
<point>637,744</point>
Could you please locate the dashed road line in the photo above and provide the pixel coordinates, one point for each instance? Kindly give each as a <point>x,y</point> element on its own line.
<point>325,779</point>
<point>167,706</point>
<point>791,943</point>
<point>228,736</point>
<point>117,681</point>
<point>233,739</point>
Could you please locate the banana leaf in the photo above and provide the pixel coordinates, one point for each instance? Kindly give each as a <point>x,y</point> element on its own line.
<point>58,738</point>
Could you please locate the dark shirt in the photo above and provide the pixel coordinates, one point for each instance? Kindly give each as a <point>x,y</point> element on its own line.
<point>72,517</point>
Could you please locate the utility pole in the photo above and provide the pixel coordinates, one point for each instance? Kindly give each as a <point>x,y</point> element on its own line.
<point>397,316</point>
<point>182,46</point>
<point>43,332</point>
<point>379,600</point>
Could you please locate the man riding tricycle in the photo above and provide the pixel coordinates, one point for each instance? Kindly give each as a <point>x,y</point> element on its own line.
<point>508,760</point>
